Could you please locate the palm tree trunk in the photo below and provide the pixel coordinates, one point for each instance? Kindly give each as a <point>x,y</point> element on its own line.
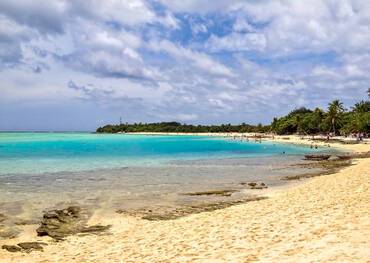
<point>333,122</point>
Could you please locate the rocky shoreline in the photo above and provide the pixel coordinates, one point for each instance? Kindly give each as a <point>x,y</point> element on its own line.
<point>58,224</point>
<point>171,213</point>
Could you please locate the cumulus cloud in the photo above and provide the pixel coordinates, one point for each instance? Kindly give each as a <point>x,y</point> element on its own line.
<point>11,34</point>
<point>193,61</point>
<point>106,65</point>
<point>99,94</point>
<point>237,42</point>
<point>200,60</point>
<point>42,15</point>
<point>196,6</point>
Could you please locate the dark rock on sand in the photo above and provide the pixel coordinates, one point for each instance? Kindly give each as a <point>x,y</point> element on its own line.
<point>171,213</point>
<point>212,192</point>
<point>70,221</point>
<point>28,246</point>
<point>25,247</point>
<point>11,248</point>
<point>2,217</point>
<point>61,223</point>
<point>255,185</point>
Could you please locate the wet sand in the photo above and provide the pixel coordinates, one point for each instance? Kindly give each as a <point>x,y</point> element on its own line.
<point>323,219</point>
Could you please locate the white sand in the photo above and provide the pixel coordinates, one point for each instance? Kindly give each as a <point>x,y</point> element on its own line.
<point>326,219</point>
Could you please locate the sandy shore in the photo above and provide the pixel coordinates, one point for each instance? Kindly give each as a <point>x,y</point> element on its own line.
<point>325,219</point>
<point>303,140</point>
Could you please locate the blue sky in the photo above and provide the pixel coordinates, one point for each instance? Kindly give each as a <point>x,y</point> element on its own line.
<point>77,65</point>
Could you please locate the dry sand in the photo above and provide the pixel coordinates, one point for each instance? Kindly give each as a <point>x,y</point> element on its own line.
<point>325,219</point>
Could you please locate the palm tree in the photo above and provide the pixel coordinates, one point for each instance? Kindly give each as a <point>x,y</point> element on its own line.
<point>316,121</point>
<point>335,111</point>
<point>298,123</point>
<point>318,113</point>
<point>361,107</point>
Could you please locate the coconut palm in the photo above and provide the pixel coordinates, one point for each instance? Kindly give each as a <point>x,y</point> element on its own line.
<point>361,107</point>
<point>335,112</point>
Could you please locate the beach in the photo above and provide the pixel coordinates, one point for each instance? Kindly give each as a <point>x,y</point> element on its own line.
<point>160,131</point>
<point>323,219</point>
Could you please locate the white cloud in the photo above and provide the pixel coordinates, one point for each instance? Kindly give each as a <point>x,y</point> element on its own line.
<point>242,25</point>
<point>237,42</point>
<point>130,12</point>
<point>269,56</point>
<point>42,15</point>
<point>198,59</point>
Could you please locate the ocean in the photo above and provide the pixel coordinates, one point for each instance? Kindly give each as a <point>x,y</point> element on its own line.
<point>39,171</point>
<point>37,153</point>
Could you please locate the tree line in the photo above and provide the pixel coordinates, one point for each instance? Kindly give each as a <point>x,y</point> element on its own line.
<point>182,128</point>
<point>335,120</point>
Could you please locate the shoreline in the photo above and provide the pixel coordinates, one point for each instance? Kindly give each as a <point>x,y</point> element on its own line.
<point>288,139</point>
<point>292,221</point>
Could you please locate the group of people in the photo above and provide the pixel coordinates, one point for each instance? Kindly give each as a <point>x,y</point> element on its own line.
<point>359,136</point>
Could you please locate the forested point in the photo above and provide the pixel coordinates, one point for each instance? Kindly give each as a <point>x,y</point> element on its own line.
<point>335,120</point>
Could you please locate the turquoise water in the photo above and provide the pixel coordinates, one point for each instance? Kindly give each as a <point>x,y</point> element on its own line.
<point>37,153</point>
<point>43,171</point>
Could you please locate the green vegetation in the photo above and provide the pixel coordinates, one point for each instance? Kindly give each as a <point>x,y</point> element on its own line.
<point>336,120</point>
<point>178,127</point>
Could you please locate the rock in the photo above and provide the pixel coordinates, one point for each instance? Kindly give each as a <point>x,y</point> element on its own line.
<point>11,248</point>
<point>195,209</point>
<point>255,185</point>
<point>212,192</point>
<point>258,187</point>
<point>28,246</point>
<point>25,247</point>
<point>59,224</point>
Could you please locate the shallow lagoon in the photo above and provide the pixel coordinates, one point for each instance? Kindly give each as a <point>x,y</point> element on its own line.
<point>39,171</point>
<point>36,153</point>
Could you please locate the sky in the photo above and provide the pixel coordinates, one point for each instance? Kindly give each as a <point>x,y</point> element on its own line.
<point>80,64</point>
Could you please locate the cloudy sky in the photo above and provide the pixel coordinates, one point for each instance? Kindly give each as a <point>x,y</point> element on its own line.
<point>79,64</point>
